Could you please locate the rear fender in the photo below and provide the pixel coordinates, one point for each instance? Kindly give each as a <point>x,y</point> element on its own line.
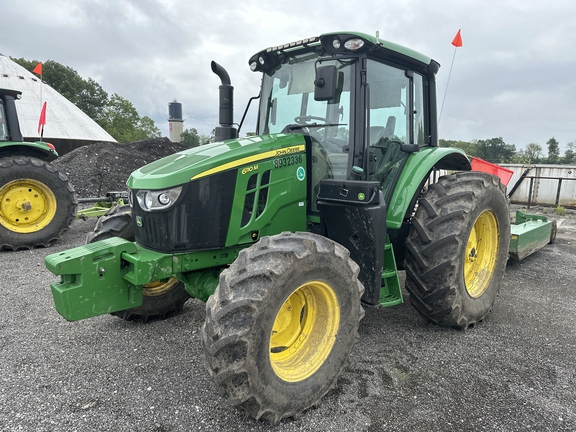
<point>37,149</point>
<point>416,170</point>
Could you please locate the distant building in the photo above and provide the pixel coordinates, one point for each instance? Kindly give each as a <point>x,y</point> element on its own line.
<point>175,121</point>
<point>67,127</point>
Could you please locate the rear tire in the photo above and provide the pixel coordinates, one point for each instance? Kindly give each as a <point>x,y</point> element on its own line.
<point>37,203</point>
<point>281,324</point>
<point>161,299</point>
<point>457,249</point>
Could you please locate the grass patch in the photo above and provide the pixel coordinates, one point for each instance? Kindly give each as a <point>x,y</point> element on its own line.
<point>560,211</point>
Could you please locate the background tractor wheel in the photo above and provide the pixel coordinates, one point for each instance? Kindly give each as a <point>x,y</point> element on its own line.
<point>37,203</point>
<point>281,324</point>
<point>457,249</point>
<point>160,298</point>
<point>553,231</point>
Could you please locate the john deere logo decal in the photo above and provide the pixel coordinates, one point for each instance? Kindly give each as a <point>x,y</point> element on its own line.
<point>300,173</point>
<point>139,221</point>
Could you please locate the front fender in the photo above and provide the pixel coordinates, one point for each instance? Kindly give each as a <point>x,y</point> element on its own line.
<point>417,168</point>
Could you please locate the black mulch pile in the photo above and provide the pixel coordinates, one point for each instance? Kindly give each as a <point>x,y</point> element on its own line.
<point>99,168</point>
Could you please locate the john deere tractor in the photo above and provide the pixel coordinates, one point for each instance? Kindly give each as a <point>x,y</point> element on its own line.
<point>37,203</point>
<point>288,235</point>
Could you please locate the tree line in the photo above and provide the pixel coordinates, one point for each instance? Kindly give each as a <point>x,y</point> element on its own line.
<point>115,114</point>
<point>497,151</point>
<point>118,116</point>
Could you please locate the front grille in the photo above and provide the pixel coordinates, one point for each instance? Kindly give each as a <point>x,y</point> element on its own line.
<point>197,221</point>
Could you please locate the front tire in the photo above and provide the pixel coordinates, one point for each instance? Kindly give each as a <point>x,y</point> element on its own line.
<point>37,203</point>
<point>457,249</point>
<point>281,324</point>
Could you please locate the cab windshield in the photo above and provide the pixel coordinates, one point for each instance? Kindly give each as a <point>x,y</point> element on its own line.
<point>288,106</point>
<point>368,124</point>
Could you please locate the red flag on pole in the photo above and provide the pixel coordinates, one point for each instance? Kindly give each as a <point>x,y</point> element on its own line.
<point>38,69</point>
<point>457,41</point>
<point>42,120</point>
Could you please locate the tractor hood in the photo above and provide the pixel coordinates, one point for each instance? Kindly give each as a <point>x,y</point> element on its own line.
<point>210,159</point>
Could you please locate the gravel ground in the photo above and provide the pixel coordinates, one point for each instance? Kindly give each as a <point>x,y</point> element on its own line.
<point>513,372</point>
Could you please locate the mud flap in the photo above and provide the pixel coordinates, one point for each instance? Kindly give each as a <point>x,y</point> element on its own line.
<point>92,282</point>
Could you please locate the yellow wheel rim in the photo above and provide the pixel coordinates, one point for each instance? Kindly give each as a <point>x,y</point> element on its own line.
<point>481,254</point>
<point>304,332</point>
<point>26,206</point>
<point>157,288</point>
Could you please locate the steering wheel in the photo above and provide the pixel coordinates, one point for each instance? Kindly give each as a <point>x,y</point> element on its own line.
<point>383,144</point>
<point>389,159</point>
<point>302,120</point>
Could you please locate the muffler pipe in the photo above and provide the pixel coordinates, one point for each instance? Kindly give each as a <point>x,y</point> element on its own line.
<point>226,130</point>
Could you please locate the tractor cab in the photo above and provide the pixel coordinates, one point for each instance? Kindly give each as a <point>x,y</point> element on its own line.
<point>11,138</point>
<point>361,115</point>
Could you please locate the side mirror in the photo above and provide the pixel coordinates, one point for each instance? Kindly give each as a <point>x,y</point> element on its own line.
<point>325,83</point>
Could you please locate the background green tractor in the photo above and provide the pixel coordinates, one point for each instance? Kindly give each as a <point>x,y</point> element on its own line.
<point>37,203</point>
<point>289,234</point>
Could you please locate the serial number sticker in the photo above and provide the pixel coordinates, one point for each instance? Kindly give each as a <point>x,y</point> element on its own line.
<point>288,161</point>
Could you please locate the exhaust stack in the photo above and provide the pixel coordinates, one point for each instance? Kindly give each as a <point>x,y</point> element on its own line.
<point>226,130</point>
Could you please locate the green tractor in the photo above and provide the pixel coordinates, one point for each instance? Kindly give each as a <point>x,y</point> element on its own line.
<point>37,203</point>
<point>288,235</point>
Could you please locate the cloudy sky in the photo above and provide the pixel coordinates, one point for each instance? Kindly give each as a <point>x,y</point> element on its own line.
<point>514,77</point>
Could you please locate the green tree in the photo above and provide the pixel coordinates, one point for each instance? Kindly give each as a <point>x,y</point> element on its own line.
<point>471,148</point>
<point>92,99</point>
<point>87,95</point>
<point>121,120</point>
<point>496,150</point>
<point>114,114</point>
<point>570,154</point>
<point>192,138</point>
<point>553,151</point>
<point>148,128</point>
<point>26,64</point>
<point>531,155</point>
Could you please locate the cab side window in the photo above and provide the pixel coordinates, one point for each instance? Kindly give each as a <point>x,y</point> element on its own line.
<point>3,129</point>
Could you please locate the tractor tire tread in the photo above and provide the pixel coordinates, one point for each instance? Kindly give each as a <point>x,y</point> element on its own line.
<point>243,295</point>
<point>434,257</point>
<point>67,202</point>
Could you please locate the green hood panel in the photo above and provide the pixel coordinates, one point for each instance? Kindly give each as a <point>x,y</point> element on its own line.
<point>202,161</point>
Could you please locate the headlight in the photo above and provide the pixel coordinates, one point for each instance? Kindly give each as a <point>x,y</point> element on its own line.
<point>354,44</point>
<point>157,200</point>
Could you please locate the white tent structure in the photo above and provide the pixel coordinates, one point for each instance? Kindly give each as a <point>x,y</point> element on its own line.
<point>67,126</point>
